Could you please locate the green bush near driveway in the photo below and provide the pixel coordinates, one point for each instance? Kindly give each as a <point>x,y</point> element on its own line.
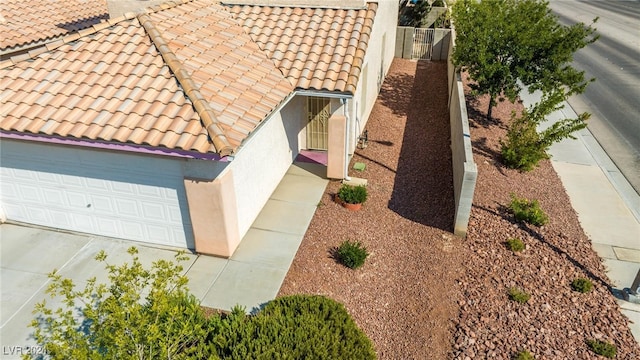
<point>527,211</point>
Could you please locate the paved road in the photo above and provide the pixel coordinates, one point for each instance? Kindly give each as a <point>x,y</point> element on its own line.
<point>614,99</point>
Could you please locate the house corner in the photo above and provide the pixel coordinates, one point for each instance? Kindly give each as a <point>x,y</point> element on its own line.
<point>213,210</point>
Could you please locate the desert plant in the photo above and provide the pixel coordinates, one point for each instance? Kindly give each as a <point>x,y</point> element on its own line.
<point>525,146</point>
<point>523,355</point>
<point>352,254</point>
<point>582,285</point>
<point>147,313</point>
<point>603,348</point>
<point>294,327</point>
<point>518,295</point>
<point>527,211</point>
<point>116,321</point>
<point>515,244</point>
<point>353,194</point>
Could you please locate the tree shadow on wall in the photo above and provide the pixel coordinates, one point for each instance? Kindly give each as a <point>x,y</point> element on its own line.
<point>423,189</point>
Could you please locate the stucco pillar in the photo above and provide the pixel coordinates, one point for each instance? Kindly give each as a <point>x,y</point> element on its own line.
<point>214,214</point>
<point>336,153</point>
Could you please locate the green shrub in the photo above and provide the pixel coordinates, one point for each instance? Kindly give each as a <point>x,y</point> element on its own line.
<point>515,244</point>
<point>523,355</point>
<point>352,254</point>
<point>116,321</point>
<point>582,285</point>
<point>353,194</point>
<point>527,211</point>
<point>523,148</point>
<point>294,327</point>
<point>603,348</point>
<point>149,314</point>
<point>518,295</point>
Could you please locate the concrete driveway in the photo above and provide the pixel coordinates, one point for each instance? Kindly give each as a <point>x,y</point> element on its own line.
<point>250,278</point>
<point>29,254</point>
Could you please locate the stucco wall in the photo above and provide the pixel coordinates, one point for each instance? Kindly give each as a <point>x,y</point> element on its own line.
<point>261,163</point>
<point>378,58</point>
<point>465,171</point>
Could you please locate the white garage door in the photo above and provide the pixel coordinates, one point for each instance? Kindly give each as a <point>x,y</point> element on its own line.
<point>114,194</point>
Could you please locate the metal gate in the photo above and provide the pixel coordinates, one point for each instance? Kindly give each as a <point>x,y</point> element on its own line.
<point>318,113</point>
<point>422,44</point>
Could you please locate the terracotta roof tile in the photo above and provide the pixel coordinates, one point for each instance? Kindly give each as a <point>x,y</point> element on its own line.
<point>29,22</point>
<point>298,40</point>
<point>140,80</point>
<point>75,91</point>
<point>216,53</point>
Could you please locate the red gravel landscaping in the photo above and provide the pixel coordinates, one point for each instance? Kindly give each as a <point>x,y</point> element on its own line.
<point>424,293</point>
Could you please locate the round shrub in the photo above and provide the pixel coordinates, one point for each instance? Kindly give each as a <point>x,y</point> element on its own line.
<point>603,348</point>
<point>296,327</point>
<point>523,355</point>
<point>353,194</point>
<point>518,295</point>
<point>352,254</point>
<point>582,285</point>
<point>528,211</point>
<point>515,245</point>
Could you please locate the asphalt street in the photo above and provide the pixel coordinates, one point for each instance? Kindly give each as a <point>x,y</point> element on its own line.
<point>614,98</point>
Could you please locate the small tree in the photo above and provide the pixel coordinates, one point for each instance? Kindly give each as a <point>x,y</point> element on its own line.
<point>141,314</point>
<point>505,44</point>
<point>416,15</point>
<point>525,146</point>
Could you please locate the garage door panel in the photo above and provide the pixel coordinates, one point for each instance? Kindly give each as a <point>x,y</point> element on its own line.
<point>39,216</point>
<point>54,196</point>
<point>8,190</point>
<point>126,208</point>
<point>60,217</point>
<point>150,191</point>
<point>153,211</point>
<point>76,200</point>
<point>106,193</point>
<point>44,177</point>
<point>108,227</point>
<point>133,231</point>
<point>25,175</point>
<point>175,215</point>
<point>102,205</point>
<point>157,232</point>
<point>122,188</point>
<point>97,184</point>
<point>71,181</point>
<point>83,222</point>
<point>29,193</point>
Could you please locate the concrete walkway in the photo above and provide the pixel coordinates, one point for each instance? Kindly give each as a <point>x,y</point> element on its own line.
<point>608,207</point>
<point>250,278</point>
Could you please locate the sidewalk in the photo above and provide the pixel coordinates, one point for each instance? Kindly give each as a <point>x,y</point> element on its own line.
<point>250,278</point>
<point>608,207</point>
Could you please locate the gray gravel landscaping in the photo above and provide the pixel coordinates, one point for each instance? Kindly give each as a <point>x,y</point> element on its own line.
<point>424,293</point>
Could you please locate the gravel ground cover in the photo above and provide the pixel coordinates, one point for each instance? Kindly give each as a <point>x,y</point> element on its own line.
<point>426,294</point>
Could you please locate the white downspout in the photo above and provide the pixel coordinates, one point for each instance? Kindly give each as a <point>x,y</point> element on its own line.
<point>346,139</point>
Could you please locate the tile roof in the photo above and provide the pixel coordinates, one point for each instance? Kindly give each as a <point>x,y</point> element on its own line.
<point>25,23</point>
<point>112,86</point>
<point>315,48</point>
<point>183,76</point>
<point>232,74</point>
